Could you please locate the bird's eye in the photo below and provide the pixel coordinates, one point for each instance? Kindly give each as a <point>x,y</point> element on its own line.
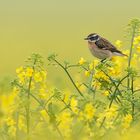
<point>94,38</point>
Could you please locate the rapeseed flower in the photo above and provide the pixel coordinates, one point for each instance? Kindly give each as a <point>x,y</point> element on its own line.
<point>127,121</point>
<point>82,61</point>
<point>89,111</point>
<point>12,131</point>
<point>87,73</point>
<point>21,123</point>
<point>19,70</point>
<point>118,43</point>
<point>74,104</point>
<point>136,40</point>
<point>138,49</point>
<point>10,121</point>
<point>106,93</point>
<point>29,72</point>
<point>37,77</point>
<point>91,66</point>
<point>101,75</point>
<point>44,115</point>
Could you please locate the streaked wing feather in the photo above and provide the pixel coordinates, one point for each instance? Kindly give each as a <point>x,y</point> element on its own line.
<point>106,45</point>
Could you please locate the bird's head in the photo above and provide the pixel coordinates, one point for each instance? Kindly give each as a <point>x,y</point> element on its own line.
<point>92,37</point>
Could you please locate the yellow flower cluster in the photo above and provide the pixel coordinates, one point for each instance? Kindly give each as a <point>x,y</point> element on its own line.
<point>35,107</point>
<point>89,111</point>
<point>65,120</point>
<point>28,72</point>
<point>101,75</point>
<point>118,43</point>
<point>109,115</point>
<point>106,93</point>
<point>82,61</point>
<point>91,68</point>
<point>136,43</point>
<point>127,121</point>
<point>74,104</point>
<point>11,124</point>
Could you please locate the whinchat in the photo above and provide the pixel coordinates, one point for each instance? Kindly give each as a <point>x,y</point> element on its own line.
<point>102,48</point>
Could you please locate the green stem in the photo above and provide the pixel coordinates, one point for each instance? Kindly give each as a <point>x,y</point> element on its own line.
<point>28,98</point>
<point>112,99</point>
<point>117,87</point>
<point>112,81</point>
<point>40,103</point>
<point>130,55</point>
<point>69,77</point>
<point>136,90</point>
<point>89,88</point>
<point>133,105</point>
<point>90,80</point>
<point>44,107</point>
<point>56,127</point>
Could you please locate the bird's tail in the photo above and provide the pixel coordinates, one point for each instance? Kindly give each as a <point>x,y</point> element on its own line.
<point>119,54</point>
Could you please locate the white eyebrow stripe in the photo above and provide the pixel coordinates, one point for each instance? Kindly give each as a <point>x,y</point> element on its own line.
<point>94,35</point>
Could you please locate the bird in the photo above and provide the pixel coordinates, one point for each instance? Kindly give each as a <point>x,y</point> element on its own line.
<point>101,47</point>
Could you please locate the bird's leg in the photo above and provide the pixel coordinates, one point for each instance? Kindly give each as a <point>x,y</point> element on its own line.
<point>103,60</point>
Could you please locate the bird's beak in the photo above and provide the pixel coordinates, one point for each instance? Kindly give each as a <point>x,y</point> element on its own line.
<point>85,38</point>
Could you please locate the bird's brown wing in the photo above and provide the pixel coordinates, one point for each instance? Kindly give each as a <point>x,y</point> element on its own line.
<point>106,45</point>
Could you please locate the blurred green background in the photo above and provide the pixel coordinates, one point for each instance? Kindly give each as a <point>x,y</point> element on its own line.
<point>47,26</point>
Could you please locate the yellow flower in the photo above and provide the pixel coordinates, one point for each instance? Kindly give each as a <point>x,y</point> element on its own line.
<point>29,72</point>
<point>80,86</point>
<point>65,120</point>
<point>135,56</point>
<point>91,66</point>
<point>127,120</point>
<point>19,70</point>
<point>101,75</point>
<point>10,121</point>
<point>96,62</point>
<point>21,123</point>
<point>37,77</point>
<point>82,61</point>
<point>43,74</point>
<point>74,104</point>
<point>111,112</point>
<point>136,40</point>
<point>21,77</point>
<point>87,73</point>
<point>15,91</point>
<point>96,84</point>
<point>126,52</point>
<point>114,71</point>
<point>138,49</point>
<point>113,58</point>
<point>43,93</point>
<point>42,96</point>
<point>44,115</point>
<point>106,93</point>
<point>66,97</point>
<point>89,111</point>
<point>12,131</point>
<point>118,43</point>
